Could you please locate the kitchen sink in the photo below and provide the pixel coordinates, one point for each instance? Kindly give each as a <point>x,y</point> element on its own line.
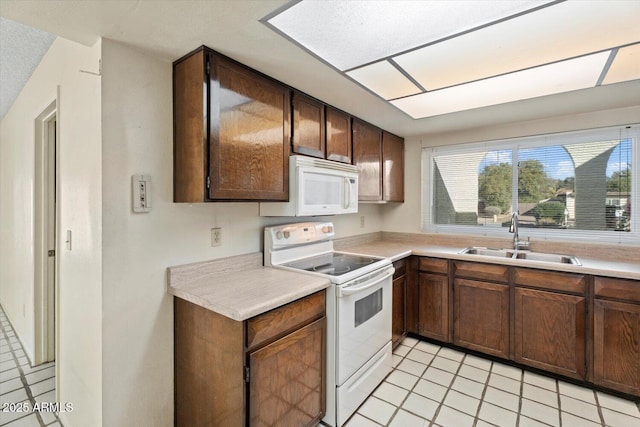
<point>500,253</point>
<point>523,255</point>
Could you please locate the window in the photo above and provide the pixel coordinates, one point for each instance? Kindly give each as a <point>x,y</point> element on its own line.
<point>570,185</point>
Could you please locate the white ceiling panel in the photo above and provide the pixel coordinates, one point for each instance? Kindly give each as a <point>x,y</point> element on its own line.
<point>564,30</point>
<point>385,80</point>
<point>625,66</point>
<point>550,79</point>
<point>348,34</point>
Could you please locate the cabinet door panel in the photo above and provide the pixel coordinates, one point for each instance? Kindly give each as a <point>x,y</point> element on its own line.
<point>392,168</point>
<point>367,156</point>
<point>433,310</point>
<point>286,386</point>
<point>249,155</point>
<point>338,135</point>
<point>481,319</point>
<point>617,345</point>
<point>398,323</point>
<point>550,331</point>
<point>308,126</point>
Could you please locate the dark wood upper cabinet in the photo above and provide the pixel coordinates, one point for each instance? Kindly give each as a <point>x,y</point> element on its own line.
<point>308,126</point>
<point>338,135</point>
<point>367,156</point>
<point>231,131</point>
<point>392,168</point>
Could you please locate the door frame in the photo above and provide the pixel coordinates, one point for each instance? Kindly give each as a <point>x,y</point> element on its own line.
<point>46,218</point>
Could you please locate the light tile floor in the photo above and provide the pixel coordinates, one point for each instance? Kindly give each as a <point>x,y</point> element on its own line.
<point>437,386</point>
<point>21,385</point>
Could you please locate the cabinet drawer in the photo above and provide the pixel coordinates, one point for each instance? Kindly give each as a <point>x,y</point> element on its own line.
<point>493,272</point>
<point>401,268</point>
<point>617,288</point>
<point>274,323</point>
<point>566,282</point>
<point>434,265</point>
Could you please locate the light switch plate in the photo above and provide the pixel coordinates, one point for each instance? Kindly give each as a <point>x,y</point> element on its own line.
<point>141,192</point>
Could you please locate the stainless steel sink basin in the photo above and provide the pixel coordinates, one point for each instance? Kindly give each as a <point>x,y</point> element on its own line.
<point>500,253</point>
<point>523,255</point>
<point>535,256</point>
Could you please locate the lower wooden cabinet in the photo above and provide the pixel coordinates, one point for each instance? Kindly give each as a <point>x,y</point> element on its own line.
<point>549,331</point>
<point>481,316</point>
<point>399,319</point>
<point>433,294</point>
<point>616,343</point>
<point>267,370</point>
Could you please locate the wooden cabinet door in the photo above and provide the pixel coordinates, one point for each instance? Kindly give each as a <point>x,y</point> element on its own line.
<point>367,157</point>
<point>392,168</point>
<point>433,310</point>
<point>287,379</point>
<point>616,345</point>
<point>398,320</point>
<point>249,134</point>
<point>308,126</point>
<point>481,316</point>
<point>338,135</point>
<point>549,331</point>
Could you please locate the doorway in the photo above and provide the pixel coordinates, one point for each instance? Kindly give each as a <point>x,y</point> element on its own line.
<point>45,255</point>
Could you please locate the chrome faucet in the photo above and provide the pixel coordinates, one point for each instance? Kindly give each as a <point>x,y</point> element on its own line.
<point>513,228</point>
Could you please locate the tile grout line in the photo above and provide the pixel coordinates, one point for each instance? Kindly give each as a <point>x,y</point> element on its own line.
<point>23,377</point>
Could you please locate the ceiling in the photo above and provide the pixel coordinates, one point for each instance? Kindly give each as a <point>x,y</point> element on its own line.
<point>168,29</point>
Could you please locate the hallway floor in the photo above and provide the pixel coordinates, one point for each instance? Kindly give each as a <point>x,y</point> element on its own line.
<point>437,386</point>
<point>22,386</point>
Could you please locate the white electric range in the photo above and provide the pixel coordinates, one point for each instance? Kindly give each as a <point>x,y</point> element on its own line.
<point>358,310</point>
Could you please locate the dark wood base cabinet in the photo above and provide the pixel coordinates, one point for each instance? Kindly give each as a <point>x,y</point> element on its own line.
<point>433,297</point>
<point>399,320</point>
<point>582,327</point>
<point>481,317</point>
<point>268,370</point>
<point>616,345</point>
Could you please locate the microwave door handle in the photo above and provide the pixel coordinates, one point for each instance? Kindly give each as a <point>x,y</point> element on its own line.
<point>346,203</point>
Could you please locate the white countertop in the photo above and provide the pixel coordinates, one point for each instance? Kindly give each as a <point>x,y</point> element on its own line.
<point>240,287</point>
<point>397,250</point>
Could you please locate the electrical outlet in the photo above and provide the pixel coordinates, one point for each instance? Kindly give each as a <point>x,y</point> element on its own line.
<point>362,221</point>
<point>216,236</point>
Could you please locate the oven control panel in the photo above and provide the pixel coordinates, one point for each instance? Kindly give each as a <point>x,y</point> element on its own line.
<point>295,234</point>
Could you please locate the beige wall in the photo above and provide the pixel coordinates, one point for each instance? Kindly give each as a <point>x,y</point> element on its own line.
<point>407,217</point>
<point>80,275</point>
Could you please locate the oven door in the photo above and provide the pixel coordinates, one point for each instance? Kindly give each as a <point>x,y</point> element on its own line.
<point>363,309</point>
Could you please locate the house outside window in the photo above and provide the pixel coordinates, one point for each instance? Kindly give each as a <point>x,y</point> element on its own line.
<point>577,185</point>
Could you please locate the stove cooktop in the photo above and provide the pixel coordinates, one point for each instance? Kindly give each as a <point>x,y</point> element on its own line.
<point>333,263</point>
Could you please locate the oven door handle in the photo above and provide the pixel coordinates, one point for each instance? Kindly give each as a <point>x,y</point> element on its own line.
<point>350,290</point>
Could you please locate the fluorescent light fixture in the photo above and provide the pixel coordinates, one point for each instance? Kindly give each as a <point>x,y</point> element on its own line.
<point>573,74</point>
<point>348,34</point>
<point>565,30</point>
<point>625,66</point>
<point>436,57</point>
<point>385,80</point>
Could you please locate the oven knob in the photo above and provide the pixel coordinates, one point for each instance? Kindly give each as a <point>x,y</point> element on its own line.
<point>279,235</point>
<point>286,234</point>
<point>326,229</point>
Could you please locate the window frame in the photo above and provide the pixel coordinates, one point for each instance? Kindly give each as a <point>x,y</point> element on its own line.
<point>561,138</point>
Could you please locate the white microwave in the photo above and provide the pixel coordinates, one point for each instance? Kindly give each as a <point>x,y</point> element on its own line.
<point>317,187</point>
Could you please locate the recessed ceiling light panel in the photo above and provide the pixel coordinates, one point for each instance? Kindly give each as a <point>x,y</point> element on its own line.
<point>625,66</point>
<point>349,34</point>
<point>564,30</point>
<point>573,74</point>
<point>385,80</point>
